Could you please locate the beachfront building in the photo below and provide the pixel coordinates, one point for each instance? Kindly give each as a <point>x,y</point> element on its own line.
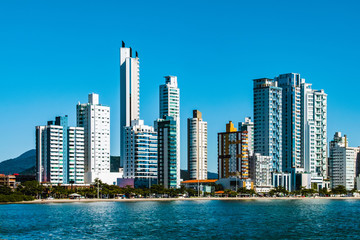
<point>342,162</point>
<point>291,121</point>
<point>268,120</point>
<point>197,147</point>
<point>233,154</point>
<point>314,131</point>
<point>60,152</point>
<point>129,92</point>
<point>167,152</point>
<point>261,172</point>
<point>140,158</point>
<point>95,119</point>
<point>168,128</point>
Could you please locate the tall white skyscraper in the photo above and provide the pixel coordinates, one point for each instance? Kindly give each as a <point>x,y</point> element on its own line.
<point>129,92</point>
<point>170,107</point>
<point>140,159</point>
<point>314,131</point>
<point>95,118</point>
<point>197,147</point>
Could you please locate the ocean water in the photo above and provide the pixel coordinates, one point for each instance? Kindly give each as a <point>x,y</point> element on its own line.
<point>250,219</point>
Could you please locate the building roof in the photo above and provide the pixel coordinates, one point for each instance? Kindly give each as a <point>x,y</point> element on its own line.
<point>201,181</point>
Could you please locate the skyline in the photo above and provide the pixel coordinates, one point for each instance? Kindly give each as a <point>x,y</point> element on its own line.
<point>96,69</point>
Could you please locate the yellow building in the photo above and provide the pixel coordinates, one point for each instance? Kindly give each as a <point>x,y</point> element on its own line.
<point>233,153</point>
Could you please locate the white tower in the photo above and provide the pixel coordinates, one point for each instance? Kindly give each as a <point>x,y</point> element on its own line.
<point>95,119</point>
<point>129,92</point>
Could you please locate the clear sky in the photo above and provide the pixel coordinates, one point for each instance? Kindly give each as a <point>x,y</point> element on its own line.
<point>53,53</point>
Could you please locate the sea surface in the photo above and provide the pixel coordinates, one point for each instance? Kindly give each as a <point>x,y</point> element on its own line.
<point>213,219</point>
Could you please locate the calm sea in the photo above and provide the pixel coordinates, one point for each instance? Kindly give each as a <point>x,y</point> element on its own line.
<point>253,219</point>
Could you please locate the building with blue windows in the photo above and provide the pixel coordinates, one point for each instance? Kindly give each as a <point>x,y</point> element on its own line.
<point>141,154</point>
<point>268,121</point>
<point>60,153</point>
<point>167,152</point>
<point>169,95</point>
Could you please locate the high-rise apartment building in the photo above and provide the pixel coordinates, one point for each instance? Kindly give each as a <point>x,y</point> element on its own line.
<point>60,152</point>
<point>168,166</point>
<point>248,126</point>
<point>268,120</point>
<point>140,158</point>
<point>233,154</point>
<point>291,121</point>
<point>314,131</point>
<point>197,147</point>
<point>342,162</point>
<point>129,91</point>
<point>95,119</point>
<point>170,109</point>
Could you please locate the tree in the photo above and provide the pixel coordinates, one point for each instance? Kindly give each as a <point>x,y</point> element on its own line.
<point>339,190</point>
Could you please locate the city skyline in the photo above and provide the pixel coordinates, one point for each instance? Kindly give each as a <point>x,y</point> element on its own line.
<point>78,76</point>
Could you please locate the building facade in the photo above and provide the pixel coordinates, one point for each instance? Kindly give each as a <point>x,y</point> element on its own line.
<point>233,153</point>
<point>342,162</point>
<point>169,96</point>
<point>95,119</point>
<point>168,166</point>
<point>261,171</point>
<point>60,153</point>
<point>291,121</point>
<point>314,131</point>
<point>129,91</point>
<point>197,147</point>
<point>268,120</point>
<point>140,158</point>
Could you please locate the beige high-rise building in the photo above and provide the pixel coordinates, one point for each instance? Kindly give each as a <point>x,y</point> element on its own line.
<point>197,147</point>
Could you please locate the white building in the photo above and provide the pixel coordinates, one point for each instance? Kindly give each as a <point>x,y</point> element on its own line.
<point>342,162</point>
<point>129,92</point>
<point>248,126</point>
<point>314,131</point>
<point>170,107</point>
<point>95,118</point>
<point>261,172</point>
<point>197,147</point>
<point>76,155</point>
<point>140,158</point>
<point>60,153</point>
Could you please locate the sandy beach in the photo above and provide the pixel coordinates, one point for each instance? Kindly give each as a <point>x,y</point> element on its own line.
<point>44,201</point>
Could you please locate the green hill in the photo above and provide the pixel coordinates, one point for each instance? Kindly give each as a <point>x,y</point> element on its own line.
<point>24,162</point>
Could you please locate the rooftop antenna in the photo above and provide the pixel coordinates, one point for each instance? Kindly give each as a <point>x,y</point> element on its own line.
<point>136,54</point>
<point>123,44</point>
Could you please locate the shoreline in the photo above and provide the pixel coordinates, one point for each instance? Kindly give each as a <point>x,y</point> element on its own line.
<point>44,201</point>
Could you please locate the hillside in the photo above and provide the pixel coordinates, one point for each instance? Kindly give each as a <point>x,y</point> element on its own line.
<point>24,162</point>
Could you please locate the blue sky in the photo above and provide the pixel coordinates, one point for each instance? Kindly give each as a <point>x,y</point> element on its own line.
<point>53,53</point>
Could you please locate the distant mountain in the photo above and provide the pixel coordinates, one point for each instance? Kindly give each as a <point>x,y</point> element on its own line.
<point>184,174</point>
<point>24,162</point>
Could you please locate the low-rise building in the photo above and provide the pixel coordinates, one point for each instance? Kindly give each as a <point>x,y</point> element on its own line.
<point>7,180</point>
